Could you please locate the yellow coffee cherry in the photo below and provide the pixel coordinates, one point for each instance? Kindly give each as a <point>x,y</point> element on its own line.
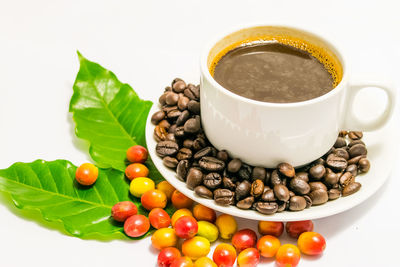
<point>196,247</point>
<point>227,226</point>
<point>141,185</point>
<point>207,230</point>
<point>163,238</point>
<point>167,188</point>
<point>204,262</point>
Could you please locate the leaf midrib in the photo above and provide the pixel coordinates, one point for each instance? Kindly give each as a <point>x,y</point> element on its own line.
<point>116,121</point>
<point>58,194</point>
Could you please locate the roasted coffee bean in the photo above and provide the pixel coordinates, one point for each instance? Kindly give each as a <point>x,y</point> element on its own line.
<point>183,102</point>
<point>157,117</point>
<point>268,196</point>
<point>340,142</point>
<point>341,152</point>
<point>175,80</point>
<point>171,98</point>
<point>192,125</point>
<point>173,114</point>
<point>243,190</point>
<point>228,184</point>
<point>258,173</point>
<point>346,178</point>
<point>172,129</point>
<point>203,192</point>
<point>179,86</point>
<point>166,148</point>
<point>356,142</point>
<point>286,169</point>
<point>234,165</point>
<point>245,172</point>
<point>364,165</point>
<point>331,179</point>
<point>355,160</point>
<point>212,180</point>
<point>303,176</point>
<point>343,133</point>
<point>318,197</point>
<point>275,178</point>
<point>281,192</point>
<point>245,203</point>
<point>317,171</point>
<point>223,155</point>
<point>224,197</point>
<point>170,162</point>
<point>211,164</point>
<point>194,107</point>
<point>179,132</point>
<point>168,109</point>
<point>207,151</point>
<point>297,203</point>
<point>351,188</point>
<point>357,150</point>
<point>160,134</point>
<point>333,194</point>
<point>266,207</point>
<point>192,92</point>
<point>194,178</point>
<point>299,186</point>
<point>257,188</point>
<point>188,143</point>
<point>182,118</point>
<point>308,201</point>
<point>353,169</point>
<point>282,206</point>
<point>354,135</point>
<point>317,185</point>
<point>195,89</point>
<point>184,153</point>
<point>162,99</point>
<point>165,124</point>
<point>336,163</point>
<point>182,169</point>
<point>170,137</point>
<point>199,143</point>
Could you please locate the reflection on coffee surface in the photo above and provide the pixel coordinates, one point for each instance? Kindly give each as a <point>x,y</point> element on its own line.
<point>273,72</point>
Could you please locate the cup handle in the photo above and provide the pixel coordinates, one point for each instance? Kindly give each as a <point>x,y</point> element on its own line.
<point>351,121</point>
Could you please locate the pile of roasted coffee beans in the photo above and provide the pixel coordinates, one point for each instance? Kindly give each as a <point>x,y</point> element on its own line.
<point>213,174</point>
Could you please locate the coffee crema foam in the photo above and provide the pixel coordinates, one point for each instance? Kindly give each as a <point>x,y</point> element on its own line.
<point>331,64</point>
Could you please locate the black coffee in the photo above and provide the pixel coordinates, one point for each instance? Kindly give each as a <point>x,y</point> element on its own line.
<point>273,72</point>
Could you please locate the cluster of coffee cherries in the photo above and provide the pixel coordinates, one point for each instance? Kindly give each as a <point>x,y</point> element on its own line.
<point>200,228</point>
<point>185,238</point>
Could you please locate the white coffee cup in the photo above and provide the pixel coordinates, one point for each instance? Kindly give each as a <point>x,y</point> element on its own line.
<point>265,134</point>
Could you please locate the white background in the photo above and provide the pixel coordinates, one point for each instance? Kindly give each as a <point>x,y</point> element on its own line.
<point>147,44</point>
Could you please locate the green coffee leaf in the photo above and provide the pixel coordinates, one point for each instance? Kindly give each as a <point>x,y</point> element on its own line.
<point>109,115</point>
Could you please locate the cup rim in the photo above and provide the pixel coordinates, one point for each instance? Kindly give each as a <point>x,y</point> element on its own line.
<point>331,45</point>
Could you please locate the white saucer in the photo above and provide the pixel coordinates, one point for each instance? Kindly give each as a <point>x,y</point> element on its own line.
<point>382,151</point>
